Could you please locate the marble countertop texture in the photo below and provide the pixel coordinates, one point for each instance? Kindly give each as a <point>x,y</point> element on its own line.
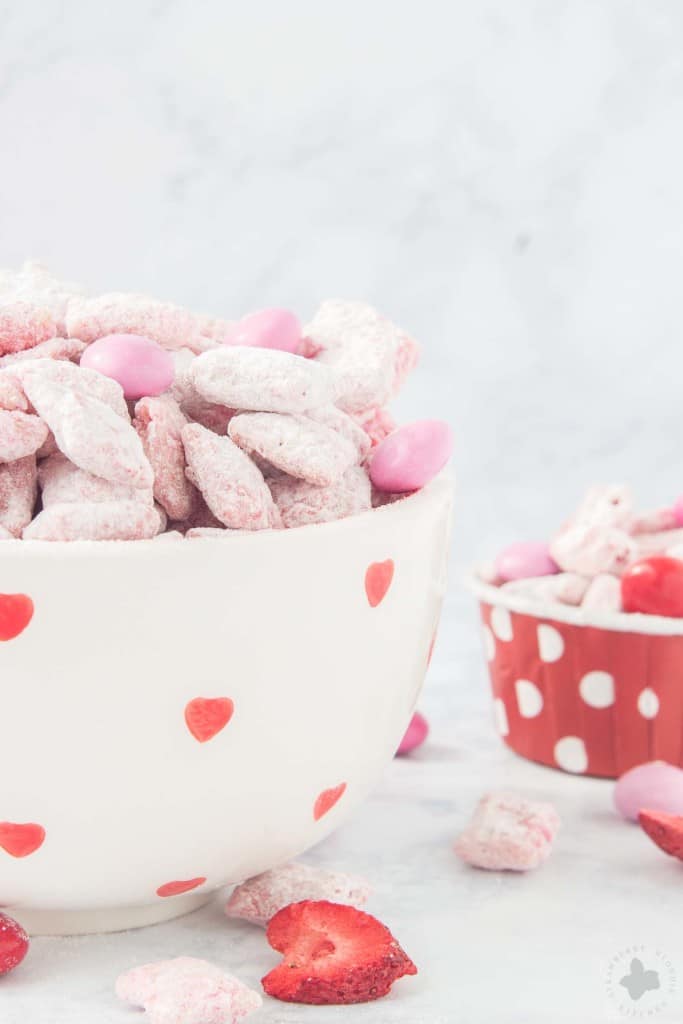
<point>502,179</point>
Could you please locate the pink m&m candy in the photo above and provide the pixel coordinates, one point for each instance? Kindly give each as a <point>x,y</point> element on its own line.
<point>268,328</point>
<point>411,456</point>
<point>141,366</point>
<point>415,734</point>
<point>524,560</point>
<point>655,786</point>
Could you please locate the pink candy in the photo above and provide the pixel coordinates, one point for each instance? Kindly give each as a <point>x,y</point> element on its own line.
<point>524,559</point>
<point>140,365</point>
<point>508,833</point>
<point>655,786</point>
<point>268,328</point>
<point>260,898</point>
<point>412,456</point>
<point>415,734</point>
<point>187,991</point>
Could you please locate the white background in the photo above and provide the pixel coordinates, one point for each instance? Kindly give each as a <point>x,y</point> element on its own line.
<point>504,180</point>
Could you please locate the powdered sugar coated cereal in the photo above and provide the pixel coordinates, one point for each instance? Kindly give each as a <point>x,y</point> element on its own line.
<point>603,594</point>
<point>508,833</point>
<point>106,520</point>
<point>159,423</point>
<point>187,991</point>
<point>295,444</point>
<point>90,434</point>
<point>377,424</point>
<point>301,503</point>
<point>54,348</point>
<point>262,380</point>
<point>73,378</point>
<point>18,493</point>
<point>11,393</point>
<point>123,313</point>
<point>260,898</point>
<point>590,549</point>
<point>230,483</point>
<point>61,482</point>
<point>23,325</point>
<point>332,417</point>
<point>20,435</point>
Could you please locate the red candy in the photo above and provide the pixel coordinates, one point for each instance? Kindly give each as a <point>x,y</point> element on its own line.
<point>654,586</point>
<point>14,944</point>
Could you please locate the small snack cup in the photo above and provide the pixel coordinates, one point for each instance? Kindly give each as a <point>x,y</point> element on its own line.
<point>588,692</point>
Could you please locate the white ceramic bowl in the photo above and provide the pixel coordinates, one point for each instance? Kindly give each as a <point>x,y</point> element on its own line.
<point>104,746</point>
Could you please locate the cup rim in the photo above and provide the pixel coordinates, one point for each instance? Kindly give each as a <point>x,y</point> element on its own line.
<point>618,622</point>
<point>438,489</point>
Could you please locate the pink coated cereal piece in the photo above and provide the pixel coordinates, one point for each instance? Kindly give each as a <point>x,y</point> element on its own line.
<point>606,505</point>
<point>332,417</point>
<point>654,521</point>
<point>62,482</point>
<point>603,594</point>
<point>377,424</point>
<point>18,493</point>
<point>106,520</point>
<point>20,435</point>
<point>371,355</point>
<point>140,365</point>
<point>54,348</point>
<point>73,378</point>
<point>566,587</point>
<point>11,394</point>
<point>6,535</point>
<point>657,543</point>
<point>412,456</point>
<point>159,423</point>
<point>262,380</point>
<point>267,328</point>
<point>214,330</point>
<point>508,833</point>
<point>211,415</point>
<point>23,325</point>
<point>591,549</point>
<point>230,483</point>
<point>301,503</point>
<point>207,532</point>
<point>34,285</point>
<point>258,899</point>
<point>187,991</point>
<point>121,313</point>
<point>91,434</point>
<point>295,444</point>
<point>524,559</point>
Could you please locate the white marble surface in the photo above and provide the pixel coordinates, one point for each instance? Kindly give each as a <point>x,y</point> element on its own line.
<point>505,180</point>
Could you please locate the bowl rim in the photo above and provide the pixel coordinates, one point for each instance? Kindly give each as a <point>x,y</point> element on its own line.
<point>617,622</point>
<point>438,489</point>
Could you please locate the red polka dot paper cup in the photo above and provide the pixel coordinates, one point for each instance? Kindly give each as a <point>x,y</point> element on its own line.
<point>178,717</point>
<point>586,692</point>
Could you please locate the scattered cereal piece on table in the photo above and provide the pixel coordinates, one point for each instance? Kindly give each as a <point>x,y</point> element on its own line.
<point>295,444</point>
<point>187,991</point>
<point>508,833</point>
<point>259,898</point>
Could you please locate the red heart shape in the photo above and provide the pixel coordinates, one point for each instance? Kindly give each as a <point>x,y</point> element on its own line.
<point>378,580</point>
<point>327,799</point>
<point>206,716</point>
<point>21,840</point>
<point>176,888</point>
<point>16,611</point>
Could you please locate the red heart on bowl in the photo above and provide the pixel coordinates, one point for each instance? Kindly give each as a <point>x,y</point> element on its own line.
<point>21,840</point>
<point>327,799</point>
<point>16,611</point>
<point>378,580</point>
<point>177,888</point>
<point>206,716</point>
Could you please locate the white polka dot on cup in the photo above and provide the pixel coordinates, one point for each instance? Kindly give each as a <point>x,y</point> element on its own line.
<point>550,643</point>
<point>648,703</point>
<point>597,689</point>
<point>489,643</point>
<point>501,623</point>
<point>500,716</point>
<point>529,698</point>
<point>570,754</point>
